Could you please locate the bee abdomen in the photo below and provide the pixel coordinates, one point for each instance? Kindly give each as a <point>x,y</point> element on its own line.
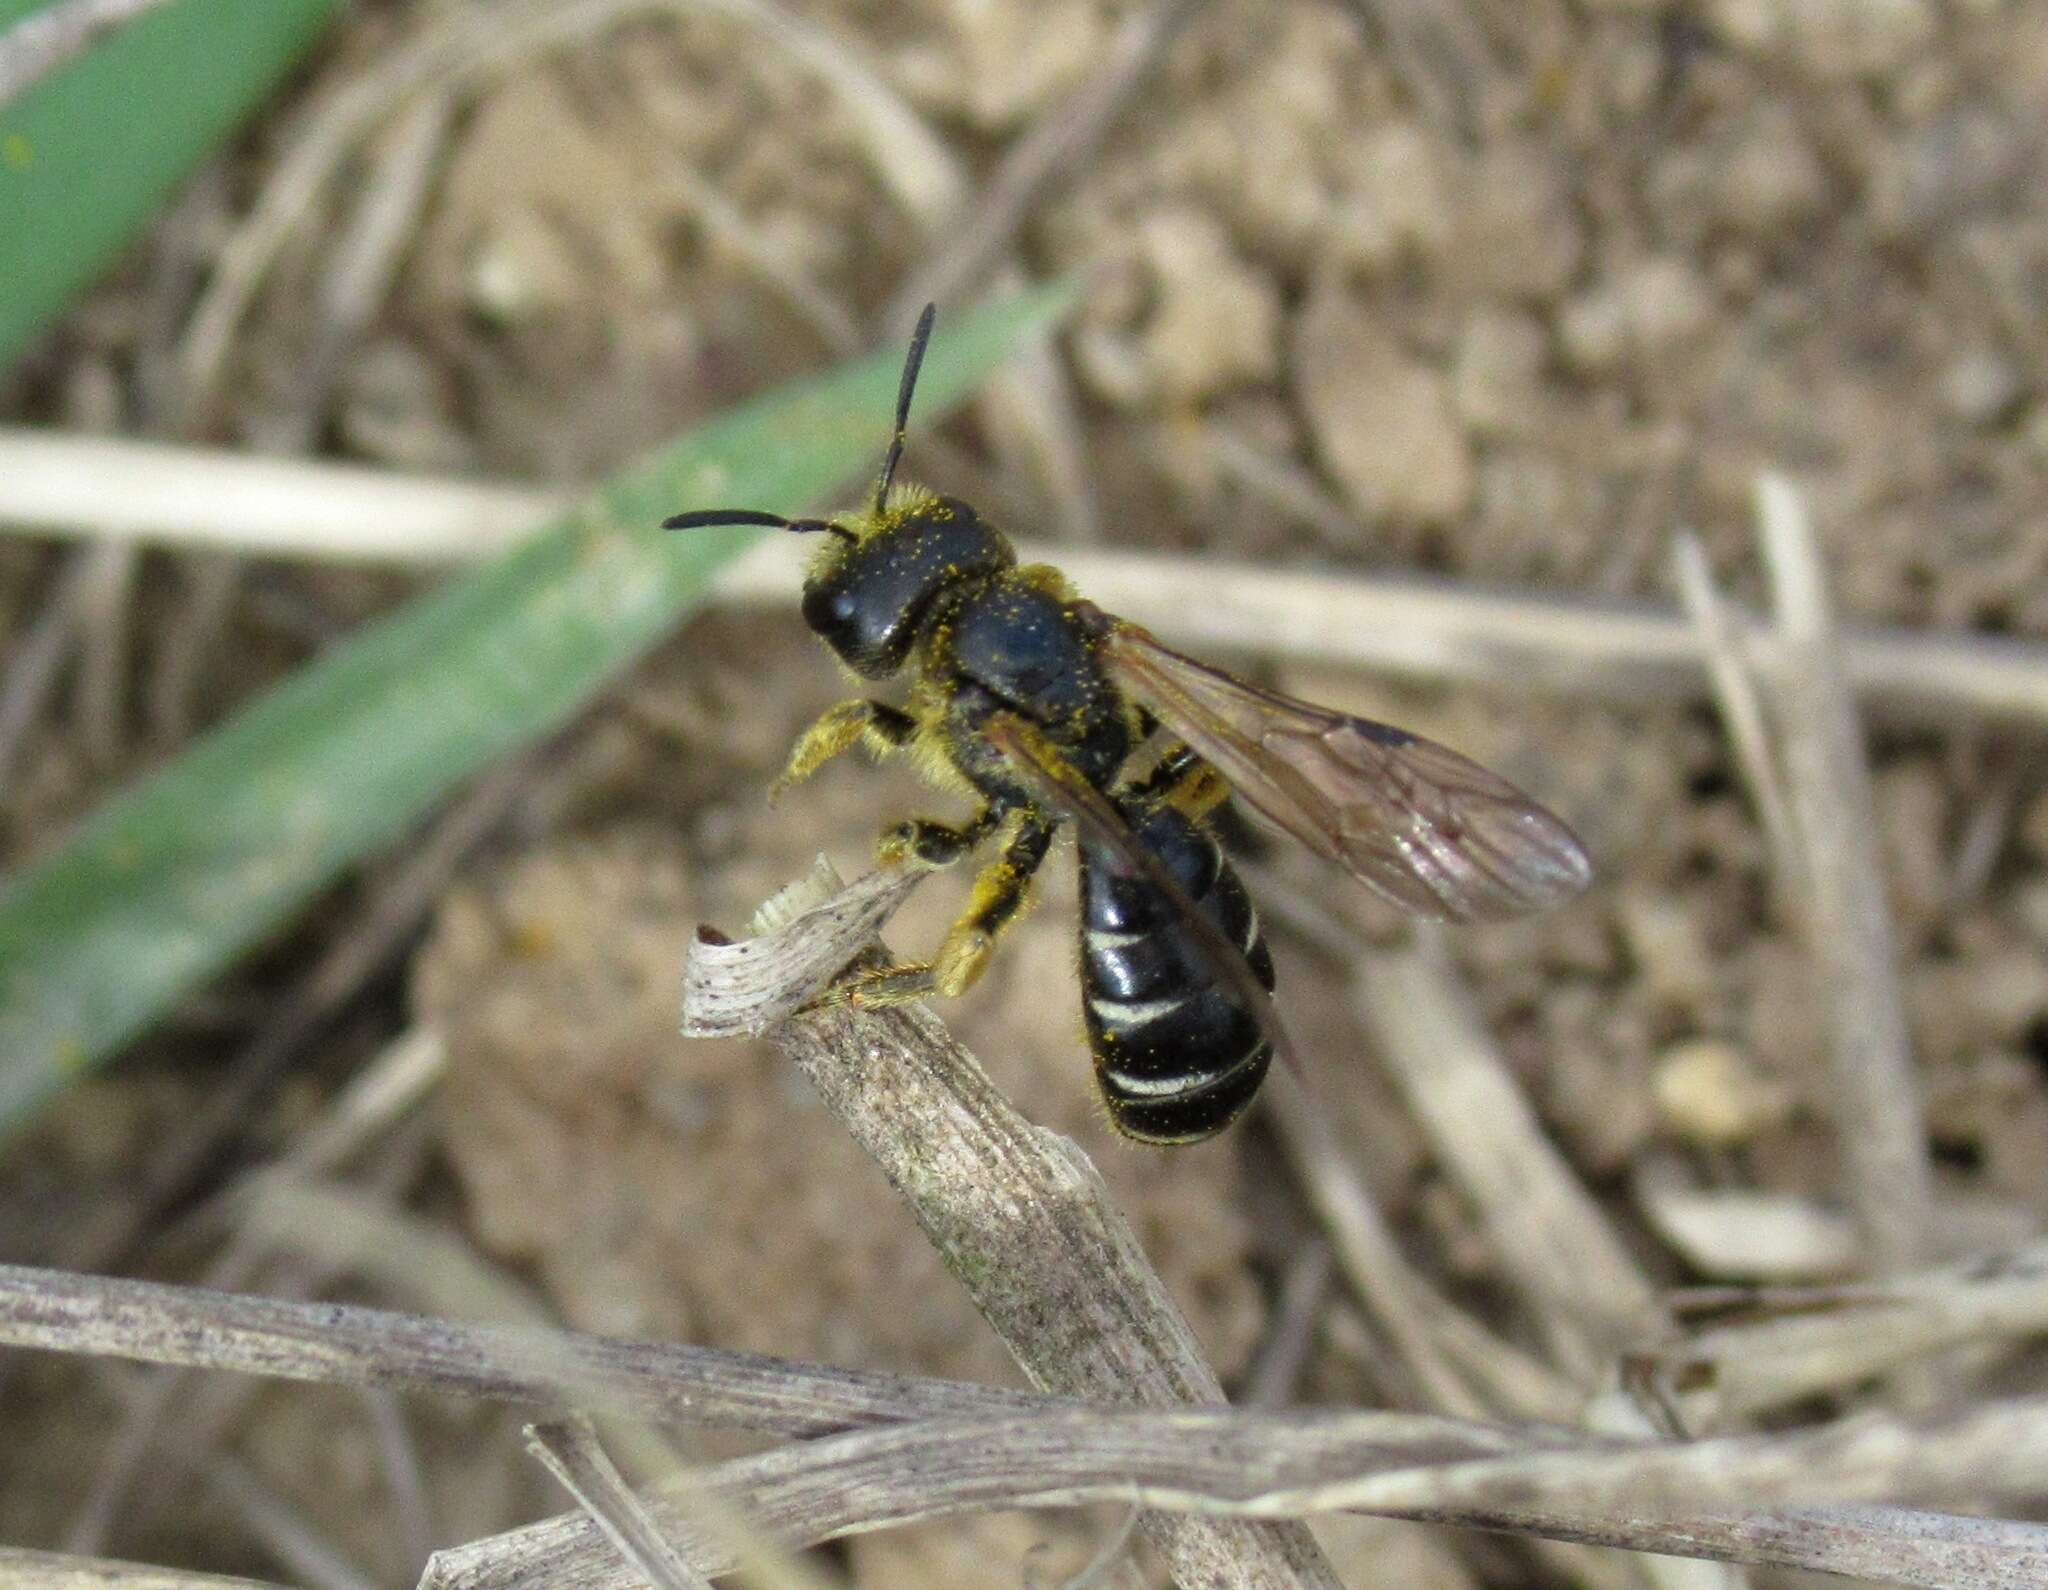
<point>1178,1055</point>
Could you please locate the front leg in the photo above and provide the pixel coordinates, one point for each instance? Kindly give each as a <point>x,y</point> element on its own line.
<point>999,892</point>
<point>841,728</point>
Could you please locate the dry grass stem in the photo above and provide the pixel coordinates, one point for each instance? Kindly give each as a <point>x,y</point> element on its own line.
<point>1464,1368</point>
<point>405,1476</point>
<point>398,1079</point>
<point>1585,1294</point>
<point>1440,53</point>
<point>190,645</point>
<point>732,231</point>
<point>243,502</point>
<point>361,265</point>
<point>380,930</point>
<point>173,1416</point>
<point>1876,1091</point>
<point>1028,402</point>
<point>1424,628</point>
<point>345,1230</point>
<point>1304,1287</point>
<point>1111,1562</point>
<point>694,1525</point>
<point>1779,1346</point>
<point>373,1102</point>
<point>1546,1232</point>
<point>1469,1093</point>
<point>808,1492</point>
<point>46,38</point>
<point>571,1452</point>
<point>1738,697</point>
<point>1284,484</point>
<point>466,46</point>
<point>1232,1462</point>
<point>281,1527</point>
<point>734,989</point>
<point>334,1344</point>
<point>38,659</point>
<point>1019,1214</point>
<point>1424,1328</point>
<point>104,613</point>
<point>1057,146</point>
<point>1031,416</point>
<point>906,156</point>
<point>1986,831</point>
<point>51,1570</point>
<point>146,1418</point>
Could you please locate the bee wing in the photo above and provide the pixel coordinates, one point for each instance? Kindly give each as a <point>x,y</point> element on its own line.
<point>1064,790</point>
<point>1432,831</point>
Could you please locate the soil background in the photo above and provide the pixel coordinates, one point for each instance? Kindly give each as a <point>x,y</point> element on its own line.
<point>1502,292</point>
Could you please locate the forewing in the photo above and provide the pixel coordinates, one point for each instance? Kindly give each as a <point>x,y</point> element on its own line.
<point>1062,789</point>
<point>1431,830</point>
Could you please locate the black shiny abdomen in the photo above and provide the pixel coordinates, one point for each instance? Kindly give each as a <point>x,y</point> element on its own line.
<point>868,606</point>
<point>1177,1054</point>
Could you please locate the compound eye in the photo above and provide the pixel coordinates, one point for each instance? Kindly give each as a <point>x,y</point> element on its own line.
<point>868,628</point>
<point>830,609</point>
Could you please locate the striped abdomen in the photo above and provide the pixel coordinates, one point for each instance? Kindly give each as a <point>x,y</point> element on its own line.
<point>1177,1054</point>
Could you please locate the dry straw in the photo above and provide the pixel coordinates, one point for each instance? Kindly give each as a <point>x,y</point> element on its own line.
<point>1431,629</point>
<point>949,1447</point>
<point>1019,1214</point>
<point>1025,1224</point>
<point>915,1448</point>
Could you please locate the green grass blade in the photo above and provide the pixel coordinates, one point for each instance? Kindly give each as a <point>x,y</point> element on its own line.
<point>89,156</point>
<point>178,876</point>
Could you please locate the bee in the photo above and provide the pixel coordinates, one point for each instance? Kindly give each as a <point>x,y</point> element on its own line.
<point>1044,709</point>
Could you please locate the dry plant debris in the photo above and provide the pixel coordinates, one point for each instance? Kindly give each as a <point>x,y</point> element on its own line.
<point>919,1458</point>
<point>1493,295</point>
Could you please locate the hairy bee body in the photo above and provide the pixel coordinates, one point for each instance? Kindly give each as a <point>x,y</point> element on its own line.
<point>934,588</point>
<point>937,592</point>
<point>1038,704</point>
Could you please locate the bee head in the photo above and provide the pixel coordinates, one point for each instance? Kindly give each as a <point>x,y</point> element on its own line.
<point>875,576</point>
<point>868,593</point>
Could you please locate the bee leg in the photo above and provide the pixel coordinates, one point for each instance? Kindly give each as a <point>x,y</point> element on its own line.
<point>999,891</point>
<point>841,728</point>
<point>933,843</point>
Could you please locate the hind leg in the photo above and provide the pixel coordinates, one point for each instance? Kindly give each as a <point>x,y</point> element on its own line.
<point>1182,779</point>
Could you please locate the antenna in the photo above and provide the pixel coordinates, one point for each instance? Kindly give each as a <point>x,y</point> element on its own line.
<point>911,362</point>
<point>700,517</point>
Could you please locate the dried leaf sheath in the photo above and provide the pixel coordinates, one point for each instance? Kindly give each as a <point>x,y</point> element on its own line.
<point>746,987</point>
<point>1019,1214</point>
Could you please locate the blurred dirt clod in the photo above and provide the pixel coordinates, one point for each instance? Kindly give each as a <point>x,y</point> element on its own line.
<point>1382,420</point>
<point>1712,1095</point>
<point>1206,320</point>
<point>1830,38</point>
